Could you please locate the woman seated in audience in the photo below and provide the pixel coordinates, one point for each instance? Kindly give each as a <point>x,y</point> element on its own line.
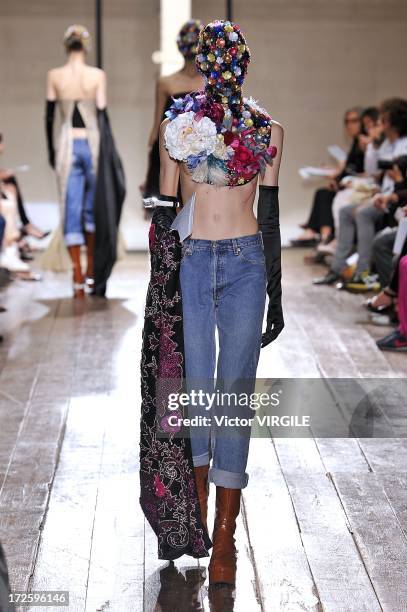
<point>320,225</point>
<point>353,188</point>
<point>10,256</point>
<point>27,228</point>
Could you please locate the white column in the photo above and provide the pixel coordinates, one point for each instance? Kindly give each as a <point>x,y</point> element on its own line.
<point>174,13</point>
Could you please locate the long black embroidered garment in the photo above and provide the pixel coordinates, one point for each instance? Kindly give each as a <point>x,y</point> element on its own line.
<point>168,494</point>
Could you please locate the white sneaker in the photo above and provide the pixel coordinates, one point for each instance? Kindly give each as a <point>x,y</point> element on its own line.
<point>10,260</point>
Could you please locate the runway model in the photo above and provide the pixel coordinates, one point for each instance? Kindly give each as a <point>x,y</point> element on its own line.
<point>89,172</point>
<point>218,143</point>
<point>175,85</point>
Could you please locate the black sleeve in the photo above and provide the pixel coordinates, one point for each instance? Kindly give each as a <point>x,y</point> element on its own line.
<point>49,130</point>
<point>268,217</point>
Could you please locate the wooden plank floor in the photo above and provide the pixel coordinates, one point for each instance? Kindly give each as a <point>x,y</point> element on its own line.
<point>323,525</point>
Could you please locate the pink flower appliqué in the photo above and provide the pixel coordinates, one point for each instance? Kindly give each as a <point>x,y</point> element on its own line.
<point>160,489</point>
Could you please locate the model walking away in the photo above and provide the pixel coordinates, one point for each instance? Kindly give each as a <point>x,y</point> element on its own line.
<point>218,144</point>
<point>90,202</point>
<point>175,85</point>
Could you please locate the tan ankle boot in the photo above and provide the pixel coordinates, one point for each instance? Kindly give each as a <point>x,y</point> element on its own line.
<point>78,286</point>
<point>222,566</point>
<point>90,251</point>
<point>202,487</point>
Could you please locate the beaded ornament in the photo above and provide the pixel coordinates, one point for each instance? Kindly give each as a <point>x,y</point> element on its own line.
<point>222,137</point>
<point>187,39</point>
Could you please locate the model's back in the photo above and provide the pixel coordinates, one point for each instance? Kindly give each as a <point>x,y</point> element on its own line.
<point>75,81</point>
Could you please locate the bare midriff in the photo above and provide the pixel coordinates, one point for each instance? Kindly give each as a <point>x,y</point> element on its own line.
<point>79,133</point>
<point>220,212</point>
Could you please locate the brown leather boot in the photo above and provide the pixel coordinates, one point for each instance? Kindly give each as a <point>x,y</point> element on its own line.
<point>202,487</point>
<point>78,286</point>
<point>90,251</point>
<point>222,566</point>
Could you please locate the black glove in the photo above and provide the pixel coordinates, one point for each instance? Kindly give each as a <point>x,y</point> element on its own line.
<point>49,129</point>
<point>268,218</point>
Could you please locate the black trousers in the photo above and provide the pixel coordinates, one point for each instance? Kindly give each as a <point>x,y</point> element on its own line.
<point>321,212</point>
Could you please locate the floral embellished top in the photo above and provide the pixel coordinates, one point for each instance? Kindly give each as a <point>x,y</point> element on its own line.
<point>219,147</point>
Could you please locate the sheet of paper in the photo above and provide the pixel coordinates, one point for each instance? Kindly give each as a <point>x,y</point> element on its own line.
<point>308,172</point>
<point>22,168</point>
<point>184,220</point>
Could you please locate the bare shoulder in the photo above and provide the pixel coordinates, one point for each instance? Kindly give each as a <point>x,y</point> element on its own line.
<point>163,83</point>
<point>277,128</point>
<point>97,73</point>
<point>276,125</point>
<point>163,126</point>
<point>53,73</point>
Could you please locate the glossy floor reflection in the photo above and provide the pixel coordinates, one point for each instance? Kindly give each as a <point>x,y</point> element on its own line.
<point>69,423</point>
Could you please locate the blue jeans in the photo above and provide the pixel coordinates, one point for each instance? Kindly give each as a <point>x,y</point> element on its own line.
<point>223,285</point>
<point>2,229</point>
<point>80,195</point>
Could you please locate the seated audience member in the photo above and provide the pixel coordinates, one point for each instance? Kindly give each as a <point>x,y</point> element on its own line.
<point>27,228</point>
<point>320,223</point>
<point>361,220</point>
<point>383,243</point>
<point>10,257</point>
<point>397,340</point>
<point>357,187</point>
<point>3,273</point>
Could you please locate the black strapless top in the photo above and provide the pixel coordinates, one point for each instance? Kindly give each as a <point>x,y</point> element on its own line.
<point>77,121</point>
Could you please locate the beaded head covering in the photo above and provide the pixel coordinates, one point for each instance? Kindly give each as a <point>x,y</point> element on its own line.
<point>223,137</point>
<point>187,39</point>
<point>77,34</point>
<point>223,57</point>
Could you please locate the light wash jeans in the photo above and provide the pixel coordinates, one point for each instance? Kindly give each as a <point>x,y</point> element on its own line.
<point>223,285</point>
<point>80,195</point>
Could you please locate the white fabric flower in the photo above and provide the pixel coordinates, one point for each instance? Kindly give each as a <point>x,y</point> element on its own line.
<point>184,136</point>
<point>252,103</point>
<point>221,151</point>
<point>200,173</point>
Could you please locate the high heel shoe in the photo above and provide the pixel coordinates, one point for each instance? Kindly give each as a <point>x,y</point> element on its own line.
<point>31,230</point>
<point>89,284</point>
<point>202,488</point>
<point>222,566</point>
<point>78,290</point>
<point>90,250</point>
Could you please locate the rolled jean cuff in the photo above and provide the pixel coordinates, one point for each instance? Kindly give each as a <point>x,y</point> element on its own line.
<point>89,227</point>
<point>74,239</point>
<point>201,460</point>
<point>228,480</point>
